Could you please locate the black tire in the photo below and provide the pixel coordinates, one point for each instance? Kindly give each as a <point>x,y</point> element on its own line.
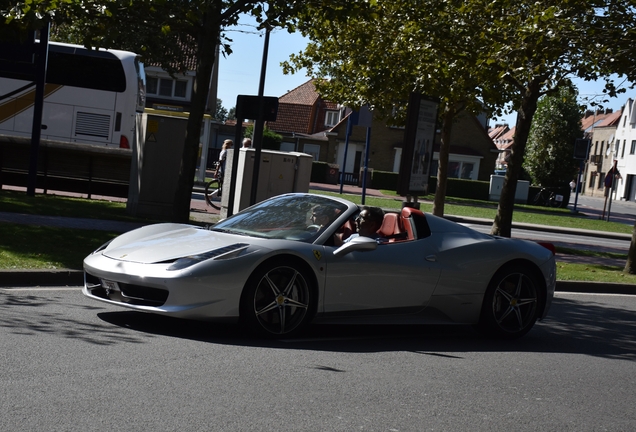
<point>538,199</point>
<point>213,194</point>
<point>512,303</point>
<point>553,201</point>
<point>279,299</point>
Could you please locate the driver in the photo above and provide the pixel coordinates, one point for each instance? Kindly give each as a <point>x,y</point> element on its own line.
<point>321,217</point>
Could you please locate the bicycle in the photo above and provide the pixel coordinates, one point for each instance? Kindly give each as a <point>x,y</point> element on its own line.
<point>214,188</point>
<point>547,198</point>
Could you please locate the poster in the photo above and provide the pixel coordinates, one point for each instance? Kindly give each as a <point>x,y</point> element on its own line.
<point>419,139</point>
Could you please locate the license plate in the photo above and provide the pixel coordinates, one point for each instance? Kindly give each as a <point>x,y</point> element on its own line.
<point>110,285</point>
<point>559,198</point>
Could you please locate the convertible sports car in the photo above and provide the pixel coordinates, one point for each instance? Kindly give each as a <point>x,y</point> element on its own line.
<point>282,263</point>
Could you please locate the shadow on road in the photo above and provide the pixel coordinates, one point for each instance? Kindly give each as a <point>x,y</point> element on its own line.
<point>571,327</point>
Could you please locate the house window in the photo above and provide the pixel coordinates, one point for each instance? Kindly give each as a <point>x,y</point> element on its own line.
<point>332,118</point>
<point>623,151</point>
<point>596,148</point>
<point>632,150</point>
<point>180,88</point>
<point>602,145</point>
<point>312,149</point>
<point>592,180</point>
<point>287,146</point>
<point>457,169</point>
<point>601,180</point>
<point>151,85</point>
<point>166,87</point>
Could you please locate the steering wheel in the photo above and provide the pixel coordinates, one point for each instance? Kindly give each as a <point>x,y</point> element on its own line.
<point>313,228</point>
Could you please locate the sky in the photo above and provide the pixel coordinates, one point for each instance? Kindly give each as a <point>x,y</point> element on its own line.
<point>239,73</point>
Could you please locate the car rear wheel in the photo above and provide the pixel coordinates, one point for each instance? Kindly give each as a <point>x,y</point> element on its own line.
<point>511,303</point>
<point>278,300</point>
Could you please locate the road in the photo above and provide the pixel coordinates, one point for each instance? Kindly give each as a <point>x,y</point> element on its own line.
<point>565,240</point>
<point>75,365</point>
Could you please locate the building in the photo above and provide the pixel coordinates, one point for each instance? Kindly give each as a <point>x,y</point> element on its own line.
<point>624,152</point>
<point>503,137</point>
<point>600,128</point>
<point>318,127</point>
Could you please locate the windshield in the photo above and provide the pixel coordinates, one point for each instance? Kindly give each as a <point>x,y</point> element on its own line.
<point>290,217</point>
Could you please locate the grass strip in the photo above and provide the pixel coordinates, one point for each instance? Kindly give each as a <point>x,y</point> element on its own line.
<point>27,247</point>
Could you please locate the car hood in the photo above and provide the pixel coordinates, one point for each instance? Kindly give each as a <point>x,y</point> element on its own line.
<point>167,242</point>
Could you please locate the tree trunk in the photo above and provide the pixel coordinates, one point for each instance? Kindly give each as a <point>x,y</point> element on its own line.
<point>206,56</point>
<point>502,225</point>
<point>442,166</point>
<point>630,265</point>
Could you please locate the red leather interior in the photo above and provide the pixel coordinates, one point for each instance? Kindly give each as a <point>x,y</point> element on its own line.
<point>345,231</point>
<point>406,218</point>
<point>390,226</point>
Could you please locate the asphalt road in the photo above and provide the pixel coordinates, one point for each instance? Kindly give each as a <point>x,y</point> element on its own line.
<point>75,365</point>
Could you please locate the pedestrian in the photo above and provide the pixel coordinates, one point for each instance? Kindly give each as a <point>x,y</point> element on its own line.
<point>220,169</point>
<point>572,185</point>
<point>247,143</point>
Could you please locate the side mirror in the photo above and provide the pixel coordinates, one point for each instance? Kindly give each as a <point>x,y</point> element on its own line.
<point>356,244</point>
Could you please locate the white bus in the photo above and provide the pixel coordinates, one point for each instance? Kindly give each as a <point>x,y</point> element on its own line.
<point>91,96</point>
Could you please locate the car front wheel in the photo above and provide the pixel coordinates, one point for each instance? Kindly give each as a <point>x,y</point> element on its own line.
<point>511,303</point>
<point>278,300</point>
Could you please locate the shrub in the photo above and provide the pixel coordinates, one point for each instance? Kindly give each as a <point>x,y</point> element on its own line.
<point>385,180</point>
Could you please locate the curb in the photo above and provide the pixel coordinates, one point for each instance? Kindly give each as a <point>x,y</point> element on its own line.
<point>68,277</point>
<point>30,278</point>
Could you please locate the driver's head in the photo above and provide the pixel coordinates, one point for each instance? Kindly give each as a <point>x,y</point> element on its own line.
<point>369,220</point>
<point>321,215</point>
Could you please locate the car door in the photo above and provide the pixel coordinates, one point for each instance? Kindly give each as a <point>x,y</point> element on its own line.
<point>392,277</point>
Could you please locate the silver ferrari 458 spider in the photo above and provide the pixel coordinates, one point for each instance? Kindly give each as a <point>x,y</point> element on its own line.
<point>285,262</point>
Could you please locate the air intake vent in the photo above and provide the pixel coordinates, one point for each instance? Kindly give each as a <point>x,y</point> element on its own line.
<point>95,125</point>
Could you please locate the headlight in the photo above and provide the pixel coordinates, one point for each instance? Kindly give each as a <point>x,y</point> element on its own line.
<point>224,252</point>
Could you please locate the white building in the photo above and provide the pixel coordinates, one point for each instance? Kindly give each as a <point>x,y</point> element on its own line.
<point>624,153</point>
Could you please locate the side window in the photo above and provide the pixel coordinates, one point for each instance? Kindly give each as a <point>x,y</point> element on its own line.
<point>96,70</point>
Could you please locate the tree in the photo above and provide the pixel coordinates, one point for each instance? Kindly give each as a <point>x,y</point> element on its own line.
<point>231,115</point>
<point>220,113</point>
<point>271,140</point>
<point>164,32</point>
<point>384,51</point>
<point>555,127</point>
<point>536,47</point>
<point>502,51</point>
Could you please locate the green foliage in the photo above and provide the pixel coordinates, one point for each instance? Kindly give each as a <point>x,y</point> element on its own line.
<point>271,140</point>
<point>462,188</point>
<point>556,125</point>
<point>220,113</point>
<point>385,180</point>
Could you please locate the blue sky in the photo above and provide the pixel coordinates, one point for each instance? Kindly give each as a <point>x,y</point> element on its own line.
<point>239,73</point>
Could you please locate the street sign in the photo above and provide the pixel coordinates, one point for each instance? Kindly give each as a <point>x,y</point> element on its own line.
<point>581,147</point>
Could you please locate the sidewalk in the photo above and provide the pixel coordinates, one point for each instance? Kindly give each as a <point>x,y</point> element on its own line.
<point>202,213</point>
